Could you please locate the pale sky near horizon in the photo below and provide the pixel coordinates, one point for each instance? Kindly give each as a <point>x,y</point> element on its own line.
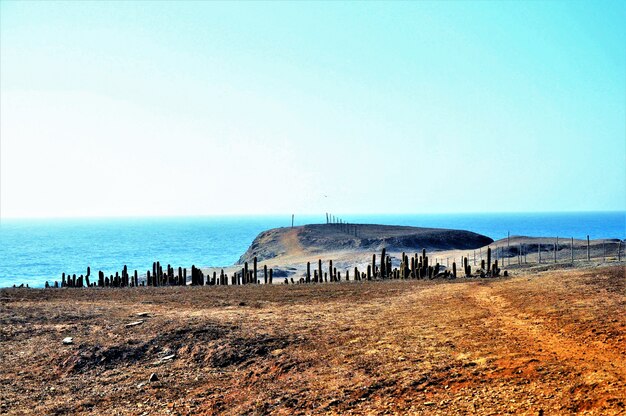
<point>203,108</point>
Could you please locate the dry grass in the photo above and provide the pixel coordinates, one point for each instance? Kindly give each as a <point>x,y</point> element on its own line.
<point>551,341</point>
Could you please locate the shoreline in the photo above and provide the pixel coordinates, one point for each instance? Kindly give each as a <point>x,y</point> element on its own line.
<point>602,251</point>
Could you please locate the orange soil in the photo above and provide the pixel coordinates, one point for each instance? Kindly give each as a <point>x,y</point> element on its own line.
<point>550,342</point>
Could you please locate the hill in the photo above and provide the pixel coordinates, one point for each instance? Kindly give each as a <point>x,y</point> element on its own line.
<point>323,238</point>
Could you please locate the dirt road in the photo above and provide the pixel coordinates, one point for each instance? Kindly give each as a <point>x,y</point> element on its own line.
<point>551,342</point>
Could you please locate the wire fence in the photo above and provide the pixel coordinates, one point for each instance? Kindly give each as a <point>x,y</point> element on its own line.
<point>547,251</point>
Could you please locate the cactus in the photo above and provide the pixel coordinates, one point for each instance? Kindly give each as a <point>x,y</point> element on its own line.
<point>488,259</point>
<point>383,266</point>
<point>271,276</point>
<point>330,270</point>
<point>254,267</point>
<point>374,264</point>
<point>308,272</point>
<point>454,269</point>
<point>319,270</point>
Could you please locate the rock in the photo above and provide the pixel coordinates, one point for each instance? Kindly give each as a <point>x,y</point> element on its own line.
<point>68,341</point>
<point>280,273</point>
<point>143,314</point>
<point>153,378</point>
<point>134,323</point>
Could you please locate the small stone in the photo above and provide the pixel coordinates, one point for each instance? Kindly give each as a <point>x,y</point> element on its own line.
<point>154,377</point>
<point>134,323</point>
<point>68,341</point>
<point>429,403</point>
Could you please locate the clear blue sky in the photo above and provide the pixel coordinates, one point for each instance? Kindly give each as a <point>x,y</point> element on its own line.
<point>201,108</point>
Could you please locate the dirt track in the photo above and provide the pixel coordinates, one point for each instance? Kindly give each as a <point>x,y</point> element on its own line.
<point>552,342</point>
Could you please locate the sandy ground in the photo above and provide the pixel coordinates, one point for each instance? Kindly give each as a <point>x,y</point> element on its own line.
<point>293,257</point>
<point>539,342</point>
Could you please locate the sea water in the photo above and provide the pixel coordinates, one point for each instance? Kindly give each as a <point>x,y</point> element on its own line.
<point>33,251</point>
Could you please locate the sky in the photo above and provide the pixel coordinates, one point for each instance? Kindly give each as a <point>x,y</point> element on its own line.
<point>206,108</point>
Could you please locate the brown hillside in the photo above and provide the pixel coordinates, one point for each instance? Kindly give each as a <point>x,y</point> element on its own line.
<point>324,238</point>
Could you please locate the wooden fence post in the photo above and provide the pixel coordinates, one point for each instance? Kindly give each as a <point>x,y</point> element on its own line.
<point>508,245</point>
<point>588,253</point>
<point>572,250</point>
<point>556,246</point>
<point>539,253</point>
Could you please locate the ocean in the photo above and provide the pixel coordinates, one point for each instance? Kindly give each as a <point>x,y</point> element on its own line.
<point>33,251</point>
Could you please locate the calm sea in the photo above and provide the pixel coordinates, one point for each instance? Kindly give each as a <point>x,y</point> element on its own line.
<point>33,251</point>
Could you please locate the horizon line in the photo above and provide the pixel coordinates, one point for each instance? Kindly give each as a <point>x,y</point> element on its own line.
<point>307,214</point>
